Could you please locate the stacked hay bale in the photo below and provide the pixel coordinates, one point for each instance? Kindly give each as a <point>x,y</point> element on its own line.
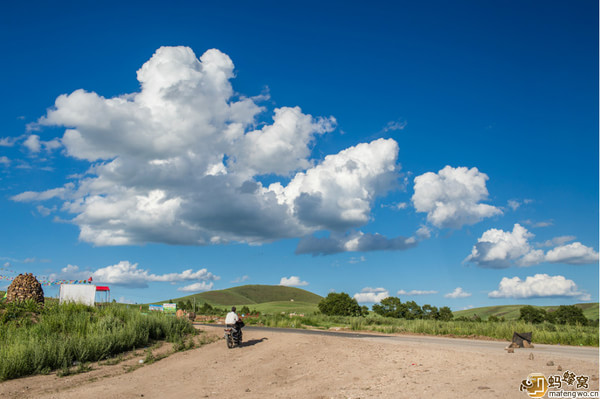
<point>24,287</point>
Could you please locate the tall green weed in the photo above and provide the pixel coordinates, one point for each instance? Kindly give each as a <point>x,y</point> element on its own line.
<point>37,340</point>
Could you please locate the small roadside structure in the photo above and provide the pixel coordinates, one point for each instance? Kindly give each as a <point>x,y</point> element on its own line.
<point>102,293</point>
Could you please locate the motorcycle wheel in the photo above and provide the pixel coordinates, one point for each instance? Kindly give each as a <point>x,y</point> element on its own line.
<point>230,343</point>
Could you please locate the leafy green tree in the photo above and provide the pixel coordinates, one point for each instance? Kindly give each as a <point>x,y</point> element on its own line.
<point>206,309</point>
<point>390,307</point>
<point>245,310</point>
<point>570,314</point>
<point>430,312</point>
<point>339,304</point>
<point>493,319</point>
<point>413,311</point>
<point>531,314</point>
<point>446,314</point>
<point>364,310</point>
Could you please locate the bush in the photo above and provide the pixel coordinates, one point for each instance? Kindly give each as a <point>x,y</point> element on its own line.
<point>571,315</point>
<point>531,314</point>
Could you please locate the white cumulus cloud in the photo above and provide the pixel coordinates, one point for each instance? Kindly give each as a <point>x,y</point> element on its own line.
<point>196,287</point>
<point>127,274</point>
<point>416,292</point>
<point>457,293</point>
<point>501,249</point>
<point>182,160</point>
<point>540,285</point>
<point>292,281</point>
<point>452,197</point>
<point>573,254</point>
<point>371,295</point>
<point>33,143</point>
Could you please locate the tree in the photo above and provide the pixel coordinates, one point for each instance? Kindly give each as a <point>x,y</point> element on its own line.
<point>245,310</point>
<point>339,305</point>
<point>390,307</point>
<point>430,312</point>
<point>531,314</point>
<point>413,311</point>
<point>570,314</point>
<point>446,314</point>
<point>206,309</point>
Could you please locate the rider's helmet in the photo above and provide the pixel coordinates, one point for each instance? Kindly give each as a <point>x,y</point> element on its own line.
<point>233,308</point>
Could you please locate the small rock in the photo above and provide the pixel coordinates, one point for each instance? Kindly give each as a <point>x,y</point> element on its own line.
<point>510,350</point>
<point>247,389</point>
<point>483,388</point>
<point>531,356</point>
<point>141,361</point>
<point>559,368</point>
<point>550,363</point>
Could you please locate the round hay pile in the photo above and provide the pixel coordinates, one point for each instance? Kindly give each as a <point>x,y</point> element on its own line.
<point>24,287</point>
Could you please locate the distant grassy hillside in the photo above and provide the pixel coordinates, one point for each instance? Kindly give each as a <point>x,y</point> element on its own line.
<point>511,312</point>
<point>253,295</point>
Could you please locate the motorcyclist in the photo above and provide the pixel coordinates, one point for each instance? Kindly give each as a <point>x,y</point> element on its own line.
<point>232,320</point>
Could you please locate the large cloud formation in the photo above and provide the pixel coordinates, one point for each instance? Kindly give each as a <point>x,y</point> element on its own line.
<point>501,249</point>
<point>181,161</point>
<point>538,286</point>
<point>130,275</point>
<point>371,295</point>
<point>452,197</point>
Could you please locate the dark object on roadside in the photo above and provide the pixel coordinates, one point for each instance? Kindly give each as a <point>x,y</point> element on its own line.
<point>192,316</point>
<point>24,287</point>
<point>522,340</point>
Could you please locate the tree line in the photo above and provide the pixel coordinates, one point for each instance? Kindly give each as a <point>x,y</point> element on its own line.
<point>565,314</point>
<point>341,304</point>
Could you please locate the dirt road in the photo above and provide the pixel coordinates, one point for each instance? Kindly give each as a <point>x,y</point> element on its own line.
<point>291,365</point>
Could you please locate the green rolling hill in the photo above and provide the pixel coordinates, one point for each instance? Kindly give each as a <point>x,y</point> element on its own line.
<point>511,312</point>
<point>264,298</point>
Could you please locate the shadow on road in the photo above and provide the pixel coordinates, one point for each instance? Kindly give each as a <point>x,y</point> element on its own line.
<point>253,342</point>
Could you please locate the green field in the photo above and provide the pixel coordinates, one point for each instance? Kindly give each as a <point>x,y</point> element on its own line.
<point>278,307</point>
<point>512,312</point>
<point>264,298</point>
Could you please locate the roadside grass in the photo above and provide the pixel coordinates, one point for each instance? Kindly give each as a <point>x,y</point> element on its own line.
<point>545,333</point>
<point>36,340</point>
<point>512,312</point>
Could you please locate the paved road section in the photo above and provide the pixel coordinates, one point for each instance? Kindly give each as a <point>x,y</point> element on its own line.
<point>475,345</point>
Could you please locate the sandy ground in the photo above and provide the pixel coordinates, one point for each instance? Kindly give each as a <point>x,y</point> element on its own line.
<point>289,365</point>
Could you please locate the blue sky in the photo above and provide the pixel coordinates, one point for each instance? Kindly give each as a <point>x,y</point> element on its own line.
<point>443,153</point>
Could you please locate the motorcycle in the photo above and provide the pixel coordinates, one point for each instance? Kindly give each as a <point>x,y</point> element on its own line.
<point>233,336</point>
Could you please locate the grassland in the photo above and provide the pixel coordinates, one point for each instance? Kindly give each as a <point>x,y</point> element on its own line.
<point>511,312</point>
<point>252,295</point>
<point>37,340</point>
